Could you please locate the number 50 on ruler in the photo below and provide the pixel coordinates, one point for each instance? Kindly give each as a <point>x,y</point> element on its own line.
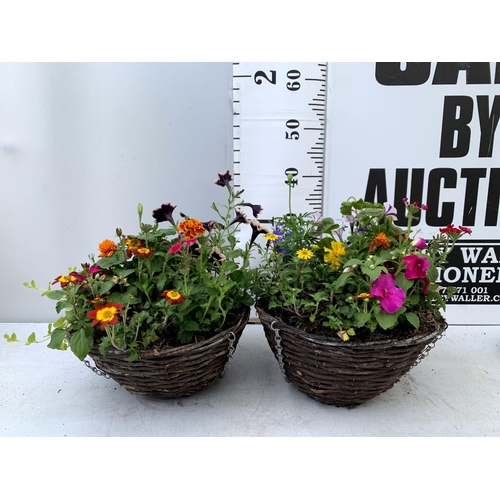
<point>279,129</point>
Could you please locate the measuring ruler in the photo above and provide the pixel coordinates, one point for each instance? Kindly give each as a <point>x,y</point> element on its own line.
<point>279,123</point>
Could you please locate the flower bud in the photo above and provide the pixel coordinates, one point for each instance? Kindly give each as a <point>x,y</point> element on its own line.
<point>118,232</point>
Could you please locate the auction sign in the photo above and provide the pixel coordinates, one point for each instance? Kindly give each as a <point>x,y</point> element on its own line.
<point>426,132</point>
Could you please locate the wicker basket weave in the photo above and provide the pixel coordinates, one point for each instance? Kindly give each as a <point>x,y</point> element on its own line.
<point>173,372</point>
<point>343,374</point>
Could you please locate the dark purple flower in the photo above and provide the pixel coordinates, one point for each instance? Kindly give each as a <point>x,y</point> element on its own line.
<point>257,228</point>
<point>217,255</point>
<point>256,209</point>
<point>391,297</point>
<point>211,225</point>
<point>224,179</point>
<point>241,217</point>
<point>164,213</point>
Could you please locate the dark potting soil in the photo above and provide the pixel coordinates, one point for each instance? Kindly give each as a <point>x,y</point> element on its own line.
<point>428,324</point>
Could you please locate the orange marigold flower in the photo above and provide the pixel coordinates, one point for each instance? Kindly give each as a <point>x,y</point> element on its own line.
<point>173,296</point>
<point>380,241</point>
<point>191,228</point>
<point>106,314</point>
<point>107,248</point>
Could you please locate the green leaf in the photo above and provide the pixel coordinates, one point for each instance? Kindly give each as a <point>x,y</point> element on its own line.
<point>58,323</point>
<point>106,287</point>
<point>56,338</point>
<point>386,320</point>
<point>31,339</point>
<point>11,338</point>
<point>247,300</point>
<point>62,304</point>
<point>80,344</point>
<point>191,326</point>
<point>54,294</point>
<point>236,276</point>
<point>403,283</point>
<point>432,273</point>
<point>413,319</point>
<point>107,262</point>
<point>353,262</point>
<point>373,274</point>
<point>361,319</point>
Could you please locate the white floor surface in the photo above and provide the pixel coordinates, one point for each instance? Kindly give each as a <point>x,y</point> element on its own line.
<point>455,391</point>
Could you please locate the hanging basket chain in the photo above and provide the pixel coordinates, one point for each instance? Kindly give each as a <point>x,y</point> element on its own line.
<point>426,351</point>
<point>279,350</point>
<point>232,338</point>
<point>96,370</point>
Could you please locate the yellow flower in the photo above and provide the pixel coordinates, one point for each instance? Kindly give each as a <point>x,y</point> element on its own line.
<point>304,254</point>
<point>271,237</point>
<point>331,254</point>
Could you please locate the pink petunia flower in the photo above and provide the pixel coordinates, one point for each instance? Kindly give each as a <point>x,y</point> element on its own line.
<point>416,266</point>
<point>175,248</point>
<point>94,269</point>
<point>419,243</point>
<point>391,297</point>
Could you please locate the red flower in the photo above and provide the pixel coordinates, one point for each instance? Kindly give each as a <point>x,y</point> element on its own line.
<point>450,228</point>
<point>106,314</point>
<point>143,252</point>
<point>72,277</point>
<point>464,229</point>
<point>173,296</point>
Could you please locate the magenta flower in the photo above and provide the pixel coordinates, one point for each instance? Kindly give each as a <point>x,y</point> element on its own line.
<point>416,266</point>
<point>190,241</point>
<point>175,248</point>
<point>94,269</point>
<point>419,243</point>
<point>391,297</point>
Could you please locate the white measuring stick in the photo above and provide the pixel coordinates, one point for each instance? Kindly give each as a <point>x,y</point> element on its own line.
<point>279,112</point>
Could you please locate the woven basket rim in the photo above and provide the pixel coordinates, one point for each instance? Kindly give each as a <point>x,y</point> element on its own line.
<point>183,349</point>
<point>332,341</point>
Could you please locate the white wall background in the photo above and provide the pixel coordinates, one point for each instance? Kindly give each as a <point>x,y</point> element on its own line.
<point>82,143</point>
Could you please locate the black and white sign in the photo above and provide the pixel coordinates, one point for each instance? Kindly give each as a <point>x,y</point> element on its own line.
<point>426,132</point>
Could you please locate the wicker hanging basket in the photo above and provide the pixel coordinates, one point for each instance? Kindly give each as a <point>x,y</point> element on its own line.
<point>172,372</point>
<point>338,373</point>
